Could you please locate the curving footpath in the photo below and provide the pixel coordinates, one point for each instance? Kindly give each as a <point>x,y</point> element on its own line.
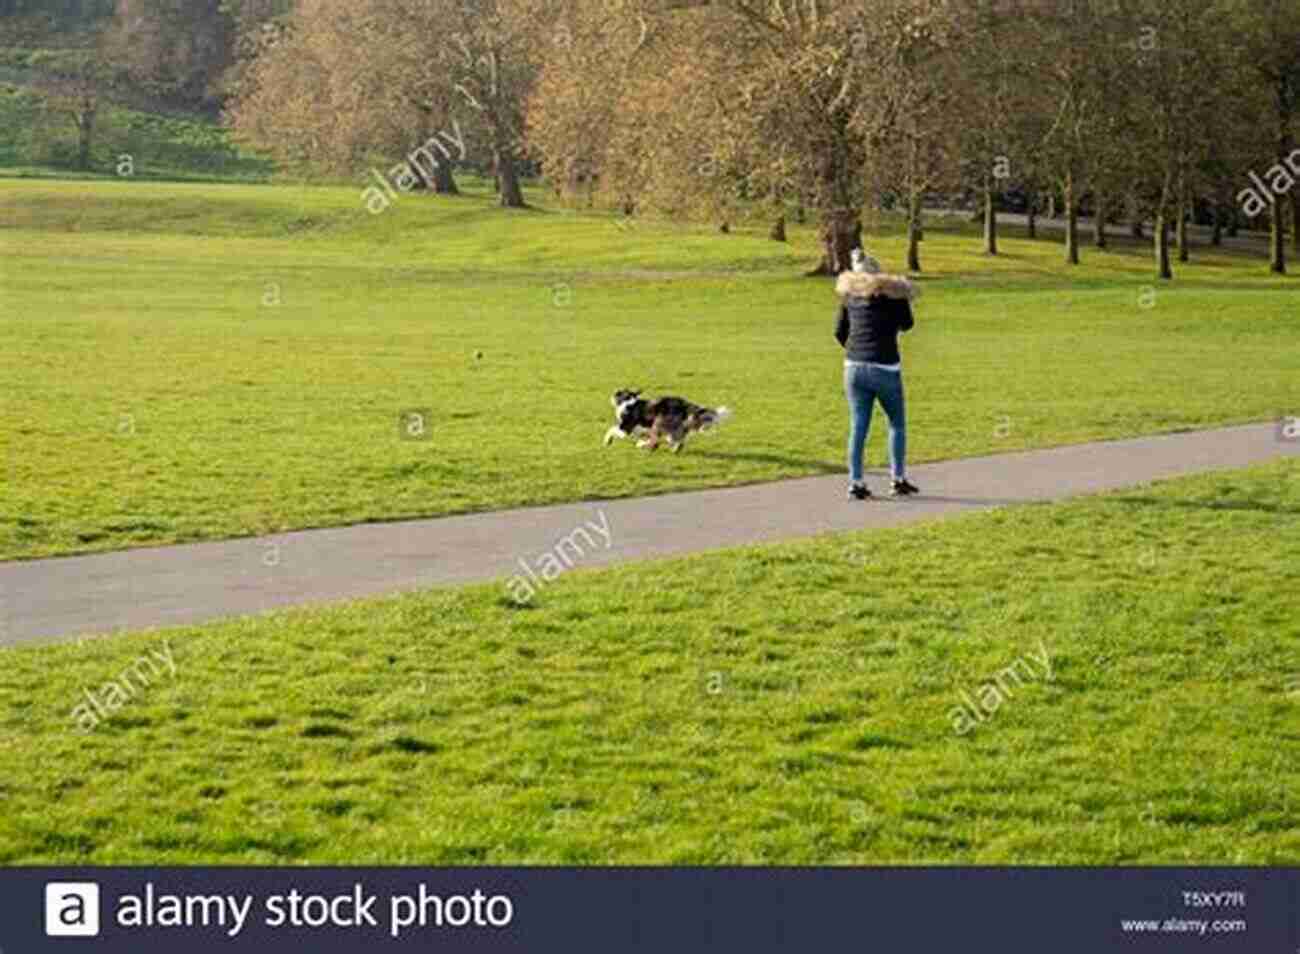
<point>165,586</point>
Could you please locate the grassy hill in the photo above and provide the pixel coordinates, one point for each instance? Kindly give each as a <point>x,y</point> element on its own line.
<point>198,361</point>
<point>192,362</point>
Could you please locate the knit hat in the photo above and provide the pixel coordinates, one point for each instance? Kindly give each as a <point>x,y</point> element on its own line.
<point>862,262</point>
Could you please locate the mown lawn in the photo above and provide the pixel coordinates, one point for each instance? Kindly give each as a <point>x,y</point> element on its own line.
<point>782,704</point>
<point>185,362</point>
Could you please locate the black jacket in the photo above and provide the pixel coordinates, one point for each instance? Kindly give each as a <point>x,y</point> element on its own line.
<point>874,309</point>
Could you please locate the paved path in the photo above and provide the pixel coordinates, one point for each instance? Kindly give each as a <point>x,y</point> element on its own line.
<point>138,589</point>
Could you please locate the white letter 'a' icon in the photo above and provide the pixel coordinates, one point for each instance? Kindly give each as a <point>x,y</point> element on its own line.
<point>72,909</point>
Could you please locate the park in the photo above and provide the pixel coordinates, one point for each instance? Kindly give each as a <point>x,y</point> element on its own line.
<point>495,641</point>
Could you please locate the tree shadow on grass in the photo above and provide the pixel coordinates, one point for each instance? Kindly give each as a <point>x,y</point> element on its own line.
<point>980,501</point>
<point>817,466</point>
<point>1256,506</point>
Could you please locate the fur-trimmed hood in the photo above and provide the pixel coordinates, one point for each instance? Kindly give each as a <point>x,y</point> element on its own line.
<point>865,285</point>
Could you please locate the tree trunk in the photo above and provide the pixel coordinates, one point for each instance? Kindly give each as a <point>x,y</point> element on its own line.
<point>990,220</point>
<point>725,228</point>
<point>512,196</point>
<point>841,233</point>
<point>1071,224</point>
<point>1277,238</point>
<point>1295,222</point>
<point>1234,221</point>
<point>443,181</point>
<point>1216,236</point>
<point>777,233</point>
<point>1031,215</point>
<point>1164,270</point>
<point>1051,204</point>
<point>914,233</point>
<point>1135,218</point>
<point>1277,255</point>
<point>1184,251</point>
<point>1099,221</point>
<point>85,136</point>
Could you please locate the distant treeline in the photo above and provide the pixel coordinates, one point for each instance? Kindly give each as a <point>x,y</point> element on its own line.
<point>181,52</point>
<point>70,12</point>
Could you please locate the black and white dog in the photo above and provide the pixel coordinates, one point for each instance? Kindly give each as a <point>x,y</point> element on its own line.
<point>666,418</point>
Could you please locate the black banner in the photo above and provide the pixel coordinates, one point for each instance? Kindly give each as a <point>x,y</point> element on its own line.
<point>675,910</point>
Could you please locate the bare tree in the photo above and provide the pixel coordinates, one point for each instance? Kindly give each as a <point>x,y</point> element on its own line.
<point>342,82</point>
<point>912,119</point>
<point>729,100</point>
<point>1267,34</point>
<point>1182,42</point>
<point>1076,38</point>
<point>994,106</point>
<point>491,69</point>
<point>81,91</point>
<point>175,49</point>
<point>589,58</point>
<point>339,85</point>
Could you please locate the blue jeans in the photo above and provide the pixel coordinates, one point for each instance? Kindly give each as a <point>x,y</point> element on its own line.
<point>863,385</point>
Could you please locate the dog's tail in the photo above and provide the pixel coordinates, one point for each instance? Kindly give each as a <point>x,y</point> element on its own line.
<point>712,417</point>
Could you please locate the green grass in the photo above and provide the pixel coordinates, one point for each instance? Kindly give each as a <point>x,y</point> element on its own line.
<point>186,362</point>
<point>781,704</point>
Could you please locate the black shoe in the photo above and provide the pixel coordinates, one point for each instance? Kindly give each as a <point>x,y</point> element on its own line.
<point>902,488</point>
<point>859,492</point>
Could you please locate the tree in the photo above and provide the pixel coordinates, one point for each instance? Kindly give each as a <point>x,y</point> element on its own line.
<point>256,25</point>
<point>786,82</point>
<point>492,70</point>
<point>31,22</point>
<point>1267,34</point>
<point>340,84</point>
<point>1176,43</point>
<point>588,59</point>
<point>994,105</point>
<point>175,49</point>
<point>706,107</point>
<point>1114,165</point>
<point>727,100</point>
<point>79,92</point>
<point>910,123</point>
<point>1076,38</point>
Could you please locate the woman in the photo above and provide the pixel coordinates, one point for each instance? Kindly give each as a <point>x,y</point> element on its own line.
<point>873,309</point>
